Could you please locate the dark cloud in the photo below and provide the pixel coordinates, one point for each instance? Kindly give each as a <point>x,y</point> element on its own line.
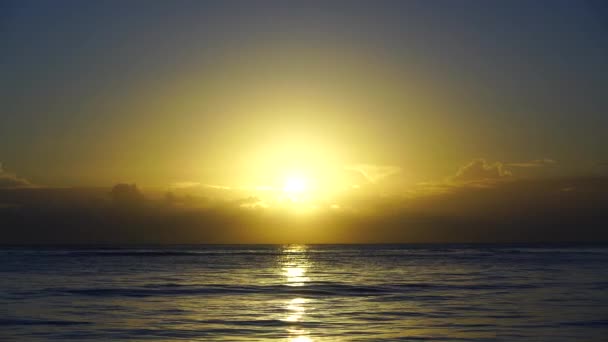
<point>601,168</point>
<point>479,170</point>
<point>482,173</point>
<point>11,181</point>
<point>533,163</point>
<point>532,210</point>
<point>126,195</point>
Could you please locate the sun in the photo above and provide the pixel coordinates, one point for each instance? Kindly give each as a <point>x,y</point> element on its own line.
<point>295,185</point>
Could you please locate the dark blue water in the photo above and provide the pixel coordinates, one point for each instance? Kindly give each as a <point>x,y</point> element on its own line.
<point>305,293</point>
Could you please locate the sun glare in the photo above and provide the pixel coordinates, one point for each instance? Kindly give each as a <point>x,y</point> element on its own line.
<point>295,185</point>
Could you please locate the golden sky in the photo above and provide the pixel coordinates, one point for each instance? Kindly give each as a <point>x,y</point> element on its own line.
<point>315,106</point>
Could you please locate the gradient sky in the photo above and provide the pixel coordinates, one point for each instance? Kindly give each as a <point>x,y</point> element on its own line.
<point>240,93</point>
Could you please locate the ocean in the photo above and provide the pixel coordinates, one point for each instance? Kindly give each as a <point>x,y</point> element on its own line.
<point>304,293</point>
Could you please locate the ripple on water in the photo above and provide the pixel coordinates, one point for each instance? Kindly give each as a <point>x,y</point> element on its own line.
<point>305,293</point>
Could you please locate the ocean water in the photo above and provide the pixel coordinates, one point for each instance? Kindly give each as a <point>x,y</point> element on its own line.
<point>305,293</point>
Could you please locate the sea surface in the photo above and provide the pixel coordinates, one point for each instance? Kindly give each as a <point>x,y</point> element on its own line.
<point>305,293</point>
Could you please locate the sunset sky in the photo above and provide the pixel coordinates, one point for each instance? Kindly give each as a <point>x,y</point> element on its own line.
<point>320,103</point>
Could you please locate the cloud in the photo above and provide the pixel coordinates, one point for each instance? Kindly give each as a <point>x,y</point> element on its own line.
<point>374,173</point>
<point>126,194</point>
<point>196,186</point>
<point>247,202</point>
<point>520,210</point>
<point>218,187</point>
<point>532,163</point>
<point>184,185</point>
<point>11,181</point>
<point>480,171</point>
<point>601,168</point>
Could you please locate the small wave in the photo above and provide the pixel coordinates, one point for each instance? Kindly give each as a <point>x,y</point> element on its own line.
<point>260,323</point>
<point>592,323</point>
<point>162,253</point>
<point>185,290</point>
<point>21,321</point>
<point>310,289</point>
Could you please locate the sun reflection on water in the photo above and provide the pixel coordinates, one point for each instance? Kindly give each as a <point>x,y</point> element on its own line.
<point>295,310</point>
<point>295,276</point>
<point>294,265</point>
<point>301,339</point>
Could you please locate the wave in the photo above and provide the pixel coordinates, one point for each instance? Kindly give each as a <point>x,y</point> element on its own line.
<point>359,293</point>
<point>309,289</point>
<point>188,290</point>
<point>21,321</point>
<point>591,323</point>
<point>149,253</point>
<point>497,253</point>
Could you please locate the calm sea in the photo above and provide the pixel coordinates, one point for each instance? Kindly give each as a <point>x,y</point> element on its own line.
<point>305,293</point>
